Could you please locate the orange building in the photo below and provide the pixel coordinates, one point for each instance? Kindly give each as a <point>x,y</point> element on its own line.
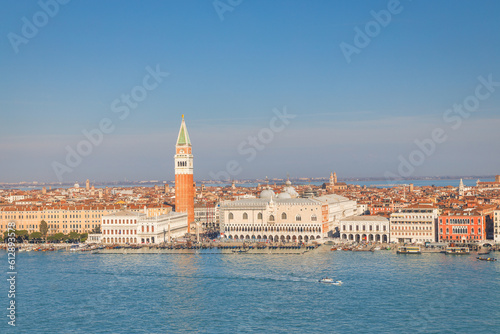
<point>463,226</point>
<point>184,185</point>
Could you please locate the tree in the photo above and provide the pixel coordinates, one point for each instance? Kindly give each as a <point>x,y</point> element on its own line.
<point>44,228</point>
<point>83,237</point>
<point>97,229</point>
<point>6,235</point>
<point>74,236</point>
<point>36,236</point>
<point>57,237</point>
<point>21,235</point>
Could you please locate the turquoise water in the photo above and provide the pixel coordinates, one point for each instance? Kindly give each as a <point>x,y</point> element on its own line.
<point>61,292</point>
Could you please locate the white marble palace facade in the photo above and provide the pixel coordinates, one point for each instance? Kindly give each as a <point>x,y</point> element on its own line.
<point>283,218</point>
<point>126,227</point>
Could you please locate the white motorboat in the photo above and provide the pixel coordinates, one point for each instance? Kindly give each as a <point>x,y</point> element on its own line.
<point>327,280</point>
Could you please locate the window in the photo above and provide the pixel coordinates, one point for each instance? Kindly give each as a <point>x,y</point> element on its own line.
<point>283,215</point>
<point>259,215</point>
<point>231,216</point>
<point>271,218</point>
<point>298,218</point>
<point>314,218</point>
<point>245,215</point>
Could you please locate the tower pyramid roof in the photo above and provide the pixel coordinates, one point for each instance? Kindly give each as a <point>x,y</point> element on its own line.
<point>183,138</point>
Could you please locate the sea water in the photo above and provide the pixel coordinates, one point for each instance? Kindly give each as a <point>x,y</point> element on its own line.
<point>64,292</point>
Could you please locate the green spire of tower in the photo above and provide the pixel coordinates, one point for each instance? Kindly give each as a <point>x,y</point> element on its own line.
<point>183,138</point>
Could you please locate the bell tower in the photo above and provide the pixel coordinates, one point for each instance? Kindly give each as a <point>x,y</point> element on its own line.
<point>184,185</point>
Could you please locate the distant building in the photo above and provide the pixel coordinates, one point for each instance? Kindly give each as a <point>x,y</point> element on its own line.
<point>283,218</point>
<point>126,227</point>
<point>66,218</point>
<point>495,184</point>
<point>496,222</point>
<point>365,228</point>
<point>184,184</point>
<point>462,226</point>
<point>15,198</point>
<point>415,224</point>
<point>461,189</point>
<point>207,216</point>
<point>333,185</point>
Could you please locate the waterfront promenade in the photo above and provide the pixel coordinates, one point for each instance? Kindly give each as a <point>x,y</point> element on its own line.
<point>231,247</point>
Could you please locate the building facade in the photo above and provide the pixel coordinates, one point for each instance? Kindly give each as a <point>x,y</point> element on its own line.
<point>496,226</point>
<point>464,226</point>
<point>184,183</point>
<point>126,227</point>
<point>416,224</point>
<point>365,228</point>
<point>282,218</point>
<point>208,216</point>
<point>66,219</point>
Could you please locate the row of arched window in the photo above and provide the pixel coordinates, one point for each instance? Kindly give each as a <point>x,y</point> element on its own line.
<point>363,228</point>
<point>273,229</point>
<point>298,218</point>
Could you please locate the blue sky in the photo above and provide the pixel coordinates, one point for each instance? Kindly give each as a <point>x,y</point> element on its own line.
<point>227,76</point>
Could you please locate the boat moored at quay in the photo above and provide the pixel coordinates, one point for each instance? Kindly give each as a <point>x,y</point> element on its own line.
<point>409,250</point>
<point>199,249</point>
<point>457,250</point>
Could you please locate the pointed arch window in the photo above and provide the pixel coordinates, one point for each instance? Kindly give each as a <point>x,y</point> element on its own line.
<point>283,215</point>
<point>271,218</point>
<point>314,218</point>
<point>298,218</point>
<point>259,215</point>
<point>230,216</point>
<point>245,215</point>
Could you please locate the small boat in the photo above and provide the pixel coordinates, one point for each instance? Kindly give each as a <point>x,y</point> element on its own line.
<point>333,248</point>
<point>240,250</point>
<point>362,250</point>
<point>327,280</point>
<point>486,258</point>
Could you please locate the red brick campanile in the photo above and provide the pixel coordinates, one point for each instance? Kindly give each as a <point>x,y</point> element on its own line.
<point>184,186</point>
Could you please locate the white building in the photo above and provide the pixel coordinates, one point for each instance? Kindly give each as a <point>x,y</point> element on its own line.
<point>14,198</point>
<point>94,238</point>
<point>365,228</point>
<point>126,227</point>
<point>496,226</point>
<point>415,224</point>
<point>337,207</point>
<point>282,217</point>
<point>207,215</point>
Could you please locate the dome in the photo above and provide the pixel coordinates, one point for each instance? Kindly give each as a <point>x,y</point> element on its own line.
<point>288,183</point>
<point>284,195</point>
<point>268,193</point>
<point>291,191</point>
